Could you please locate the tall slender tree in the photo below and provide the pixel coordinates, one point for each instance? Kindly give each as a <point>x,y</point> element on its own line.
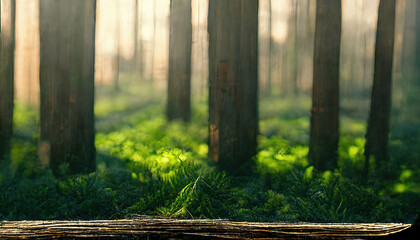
<point>417,61</point>
<point>7,60</point>
<point>135,60</point>
<point>179,77</point>
<point>67,85</point>
<point>118,48</point>
<point>270,43</point>
<point>296,48</point>
<point>152,75</point>
<point>233,58</point>
<point>325,92</point>
<point>378,122</point>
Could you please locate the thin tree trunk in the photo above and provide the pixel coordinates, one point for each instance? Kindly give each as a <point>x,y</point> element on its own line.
<point>153,41</point>
<point>136,39</point>
<point>417,61</point>
<point>117,57</point>
<point>179,77</point>
<point>7,60</point>
<point>270,44</point>
<point>67,85</point>
<point>296,48</point>
<point>378,123</point>
<point>364,52</point>
<point>324,114</point>
<point>140,57</point>
<point>233,73</point>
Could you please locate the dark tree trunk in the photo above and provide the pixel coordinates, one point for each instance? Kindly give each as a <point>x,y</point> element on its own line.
<point>180,42</point>
<point>67,85</point>
<point>296,48</point>
<point>7,61</point>
<point>233,58</point>
<point>270,44</point>
<point>378,123</point>
<point>417,61</point>
<point>324,114</point>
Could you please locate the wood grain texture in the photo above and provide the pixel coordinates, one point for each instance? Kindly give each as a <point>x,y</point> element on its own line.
<point>233,83</point>
<point>323,146</point>
<point>380,109</point>
<point>67,50</point>
<point>153,228</point>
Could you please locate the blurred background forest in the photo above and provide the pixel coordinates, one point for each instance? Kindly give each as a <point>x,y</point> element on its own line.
<point>146,164</point>
<point>291,25</point>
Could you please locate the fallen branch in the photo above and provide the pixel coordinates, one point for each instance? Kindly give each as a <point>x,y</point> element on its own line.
<point>152,228</point>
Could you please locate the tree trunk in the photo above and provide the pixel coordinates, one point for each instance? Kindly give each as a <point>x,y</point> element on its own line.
<point>153,41</point>
<point>270,44</point>
<point>324,114</point>
<point>180,43</point>
<point>378,123</point>
<point>118,54</point>
<point>7,62</point>
<point>296,48</point>
<point>417,61</point>
<point>134,60</point>
<point>233,60</point>
<point>154,228</point>
<point>67,85</point>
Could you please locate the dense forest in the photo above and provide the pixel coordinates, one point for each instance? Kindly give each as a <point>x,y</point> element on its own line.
<point>256,110</point>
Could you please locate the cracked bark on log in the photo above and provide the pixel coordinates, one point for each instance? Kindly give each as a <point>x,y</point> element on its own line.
<point>152,228</point>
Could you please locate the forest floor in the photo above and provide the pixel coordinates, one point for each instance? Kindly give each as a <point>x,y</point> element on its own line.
<point>148,166</point>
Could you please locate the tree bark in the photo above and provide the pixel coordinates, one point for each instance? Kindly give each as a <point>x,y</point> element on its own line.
<point>118,47</point>
<point>67,85</point>
<point>134,60</point>
<point>296,48</point>
<point>417,61</point>
<point>152,78</point>
<point>270,44</point>
<point>7,62</point>
<point>179,77</point>
<point>378,122</point>
<point>151,228</point>
<point>233,60</point>
<point>325,92</point>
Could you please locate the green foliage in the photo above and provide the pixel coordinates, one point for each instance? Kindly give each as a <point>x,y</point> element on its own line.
<point>82,197</point>
<point>147,165</point>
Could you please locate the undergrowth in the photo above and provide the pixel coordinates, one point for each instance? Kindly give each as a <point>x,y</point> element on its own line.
<point>151,167</point>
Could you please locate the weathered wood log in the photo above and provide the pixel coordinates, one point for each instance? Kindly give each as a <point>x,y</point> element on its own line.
<point>152,228</point>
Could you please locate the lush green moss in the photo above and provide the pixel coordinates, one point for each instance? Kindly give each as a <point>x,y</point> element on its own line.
<point>149,166</point>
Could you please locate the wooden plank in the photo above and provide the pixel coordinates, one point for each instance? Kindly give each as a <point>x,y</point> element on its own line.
<point>153,228</point>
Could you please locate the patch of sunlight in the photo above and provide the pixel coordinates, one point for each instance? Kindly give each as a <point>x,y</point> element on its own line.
<point>327,176</point>
<point>203,150</point>
<point>139,177</point>
<point>400,188</point>
<point>406,187</point>
<point>353,150</point>
<point>300,151</point>
<point>285,157</point>
<point>309,172</point>
<point>406,175</point>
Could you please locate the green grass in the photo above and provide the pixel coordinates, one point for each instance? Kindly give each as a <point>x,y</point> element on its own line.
<point>146,165</point>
